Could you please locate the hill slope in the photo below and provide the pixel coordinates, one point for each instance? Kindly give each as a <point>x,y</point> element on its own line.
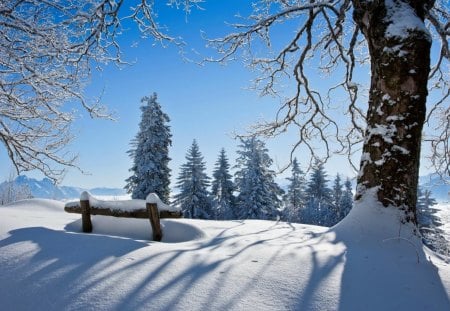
<point>47,264</point>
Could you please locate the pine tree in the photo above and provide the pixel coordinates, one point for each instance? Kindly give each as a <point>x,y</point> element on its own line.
<point>222,189</point>
<point>317,209</point>
<point>259,195</point>
<point>346,203</point>
<point>295,197</point>
<point>336,197</point>
<point>194,198</point>
<point>150,153</point>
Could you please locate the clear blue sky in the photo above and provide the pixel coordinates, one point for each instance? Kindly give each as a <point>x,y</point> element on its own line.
<point>207,103</point>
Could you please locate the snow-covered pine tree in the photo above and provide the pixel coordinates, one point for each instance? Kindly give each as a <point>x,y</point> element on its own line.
<point>294,199</point>
<point>336,197</point>
<point>150,153</point>
<point>346,200</point>
<point>429,223</point>
<point>194,198</point>
<point>259,195</point>
<point>222,188</point>
<point>318,196</point>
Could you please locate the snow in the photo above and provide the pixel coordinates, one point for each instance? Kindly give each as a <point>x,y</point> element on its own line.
<point>369,261</point>
<point>403,20</point>
<point>153,198</point>
<point>385,131</point>
<point>444,215</point>
<point>123,205</point>
<point>85,196</point>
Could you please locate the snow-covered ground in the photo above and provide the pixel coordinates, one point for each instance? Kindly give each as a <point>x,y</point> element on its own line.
<point>367,262</point>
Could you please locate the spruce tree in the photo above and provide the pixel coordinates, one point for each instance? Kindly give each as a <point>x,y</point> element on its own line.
<point>346,203</point>
<point>318,195</point>
<point>295,197</point>
<point>222,189</point>
<point>150,153</point>
<point>194,198</point>
<point>259,195</point>
<point>336,197</point>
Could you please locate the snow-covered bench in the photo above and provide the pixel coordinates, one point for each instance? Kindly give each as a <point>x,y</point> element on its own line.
<point>152,208</point>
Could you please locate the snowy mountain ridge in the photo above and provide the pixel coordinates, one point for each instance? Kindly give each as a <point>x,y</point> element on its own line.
<point>46,189</point>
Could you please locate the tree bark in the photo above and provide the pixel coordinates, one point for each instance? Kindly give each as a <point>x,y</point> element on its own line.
<point>400,64</point>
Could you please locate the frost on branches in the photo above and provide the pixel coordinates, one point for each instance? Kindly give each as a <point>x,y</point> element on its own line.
<point>150,153</point>
<point>337,38</point>
<point>47,52</point>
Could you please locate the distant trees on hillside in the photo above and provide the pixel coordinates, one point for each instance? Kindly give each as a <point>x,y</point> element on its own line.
<point>11,192</point>
<point>253,193</point>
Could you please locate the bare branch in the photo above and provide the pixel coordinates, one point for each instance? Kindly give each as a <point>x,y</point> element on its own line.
<point>322,33</point>
<point>47,49</point>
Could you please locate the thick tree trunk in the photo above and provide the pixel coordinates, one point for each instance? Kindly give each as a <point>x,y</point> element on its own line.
<point>399,47</point>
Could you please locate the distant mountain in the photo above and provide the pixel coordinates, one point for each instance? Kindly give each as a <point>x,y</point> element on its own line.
<point>47,190</point>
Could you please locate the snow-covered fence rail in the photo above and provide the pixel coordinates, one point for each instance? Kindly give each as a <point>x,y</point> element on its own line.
<point>152,208</point>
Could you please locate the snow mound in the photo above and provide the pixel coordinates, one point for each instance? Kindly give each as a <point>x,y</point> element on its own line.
<point>361,264</point>
<point>154,198</point>
<point>123,205</point>
<point>174,231</point>
<point>37,205</point>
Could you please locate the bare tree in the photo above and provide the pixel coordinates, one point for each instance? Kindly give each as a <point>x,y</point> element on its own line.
<point>394,37</point>
<point>47,50</point>
<point>10,191</point>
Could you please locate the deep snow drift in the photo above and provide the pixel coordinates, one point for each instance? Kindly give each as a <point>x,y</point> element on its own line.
<point>367,262</point>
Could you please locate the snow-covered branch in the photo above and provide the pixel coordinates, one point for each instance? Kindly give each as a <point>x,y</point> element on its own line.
<point>325,35</point>
<point>438,116</point>
<point>326,39</point>
<point>47,50</point>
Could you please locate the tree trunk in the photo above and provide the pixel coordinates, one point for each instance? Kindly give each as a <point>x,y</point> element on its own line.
<point>399,48</point>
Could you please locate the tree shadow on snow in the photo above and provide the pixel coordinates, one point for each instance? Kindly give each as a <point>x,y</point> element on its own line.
<point>391,274</point>
<point>55,267</point>
<point>207,271</point>
<point>270,267</point>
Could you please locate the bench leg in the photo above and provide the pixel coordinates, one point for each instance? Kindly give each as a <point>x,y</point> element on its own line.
<point>153,215</point>
<point>86,216</point>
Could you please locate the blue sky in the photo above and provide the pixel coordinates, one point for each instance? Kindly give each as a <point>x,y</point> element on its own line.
<point>207,103</point>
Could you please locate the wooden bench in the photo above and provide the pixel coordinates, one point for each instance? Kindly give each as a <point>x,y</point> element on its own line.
<point>152,208</point>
